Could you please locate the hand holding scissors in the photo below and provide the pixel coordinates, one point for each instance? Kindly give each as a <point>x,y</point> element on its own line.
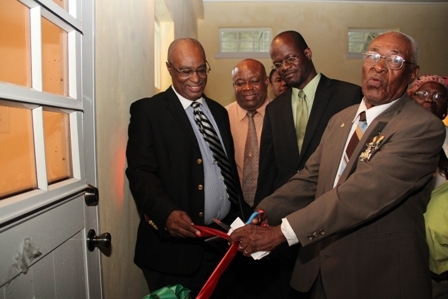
<point>253,238</point>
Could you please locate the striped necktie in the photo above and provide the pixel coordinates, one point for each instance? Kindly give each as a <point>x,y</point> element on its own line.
<point>357,135</point>
<point>213,141</point>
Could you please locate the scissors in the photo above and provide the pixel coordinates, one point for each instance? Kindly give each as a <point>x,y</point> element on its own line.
<point>255,214</point>
<point>227,227</point>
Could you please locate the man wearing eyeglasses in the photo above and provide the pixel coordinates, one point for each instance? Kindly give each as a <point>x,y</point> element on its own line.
<point>181,170</point>
<point>359,221</point>
<point>281,155</point>
<point>293,127</point>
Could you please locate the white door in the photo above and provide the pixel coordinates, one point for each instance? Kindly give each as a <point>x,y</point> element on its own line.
<point>47,151</point>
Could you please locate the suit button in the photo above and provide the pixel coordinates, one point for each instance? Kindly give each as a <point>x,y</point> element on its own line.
<point>201,214</point>
<point>200,187</point>
<point>321,232</point>
<point>199,161</point>
<point>310,237</point>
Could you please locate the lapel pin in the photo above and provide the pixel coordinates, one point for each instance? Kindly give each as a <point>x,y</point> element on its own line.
<point>342,125</point>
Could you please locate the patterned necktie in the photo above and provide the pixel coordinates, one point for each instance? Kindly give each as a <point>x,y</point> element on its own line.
<point>213,141</point>
<point>301,116</point>
<point>250,168</point>
<point>357,135</point>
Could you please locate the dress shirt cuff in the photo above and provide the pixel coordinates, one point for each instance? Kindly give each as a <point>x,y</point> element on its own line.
<point>288,232</point>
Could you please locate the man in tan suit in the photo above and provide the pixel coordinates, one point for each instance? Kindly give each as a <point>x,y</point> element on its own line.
<point>360,221</point>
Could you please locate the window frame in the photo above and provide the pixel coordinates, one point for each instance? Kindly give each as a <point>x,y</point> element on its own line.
<point>36,100</point>
<point>358,55</point>
<point>242,54</point>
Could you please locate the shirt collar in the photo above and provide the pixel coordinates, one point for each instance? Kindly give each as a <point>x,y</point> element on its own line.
<point>260,110</point>
<point>372,112</point>
<point>185,102</point>
<point>310,88</point>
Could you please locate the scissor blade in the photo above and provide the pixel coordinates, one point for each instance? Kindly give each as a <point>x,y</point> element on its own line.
<point>221,224</point>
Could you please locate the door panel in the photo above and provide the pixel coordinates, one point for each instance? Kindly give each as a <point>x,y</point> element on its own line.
<point>44,224</point>
<point>50,247</point>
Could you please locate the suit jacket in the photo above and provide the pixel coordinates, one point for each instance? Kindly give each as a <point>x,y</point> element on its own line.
<point>365,236</point>
<point>279,154</point>
<point>165,173</point>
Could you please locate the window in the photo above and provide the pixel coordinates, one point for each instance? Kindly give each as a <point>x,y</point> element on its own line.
<point>41,102</point>
<point>360,39</point>
<point>244,42</point>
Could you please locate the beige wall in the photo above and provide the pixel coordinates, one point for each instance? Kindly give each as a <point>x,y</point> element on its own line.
<point>324,26</point>
<point>124,73</point>
<point>124,55</point>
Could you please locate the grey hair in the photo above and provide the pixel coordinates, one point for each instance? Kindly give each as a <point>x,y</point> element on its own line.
<point>411,40</point>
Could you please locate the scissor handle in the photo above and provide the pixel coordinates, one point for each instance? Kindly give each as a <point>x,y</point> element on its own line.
<point>254,214</point>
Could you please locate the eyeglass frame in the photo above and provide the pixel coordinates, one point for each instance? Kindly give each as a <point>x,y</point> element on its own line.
<point>418,93</point>
<point>403,61</point>
<point>188,73</point>
<point>288,61</point>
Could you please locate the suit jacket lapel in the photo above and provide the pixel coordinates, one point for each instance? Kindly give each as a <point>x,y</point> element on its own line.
<point>287,117</point>
<point>174,106</point>
<point>374,129</point>
<point>321,99</point>
<point>285,121</point>
<point>337,142</point>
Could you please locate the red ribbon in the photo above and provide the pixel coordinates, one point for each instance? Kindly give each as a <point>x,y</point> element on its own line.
<point>212,281</point>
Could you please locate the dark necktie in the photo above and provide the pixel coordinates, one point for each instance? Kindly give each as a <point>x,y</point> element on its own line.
<point>213,141</point>
<point>250,167</point>
<point>357,135</point>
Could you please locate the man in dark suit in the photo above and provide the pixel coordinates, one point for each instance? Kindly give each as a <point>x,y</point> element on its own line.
<point>360,221</point>
<point>176,179</point>
<point>280,155</point>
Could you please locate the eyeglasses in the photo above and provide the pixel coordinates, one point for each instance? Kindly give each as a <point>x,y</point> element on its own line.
<point>253,82</point>
<point>424,95</point>
<point>288,61</point>
<point>393,62</point>
<point>187,73</point>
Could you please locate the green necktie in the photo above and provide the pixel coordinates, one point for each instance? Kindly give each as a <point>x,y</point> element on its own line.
<point>301,116</point>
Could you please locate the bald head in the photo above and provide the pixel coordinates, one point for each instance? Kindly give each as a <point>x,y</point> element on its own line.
<point>293,37</point>
<point>249,64</point>
<point>292,59</point>
<point>250,84</point>
<point>180,44</point>
<point>187,67</point>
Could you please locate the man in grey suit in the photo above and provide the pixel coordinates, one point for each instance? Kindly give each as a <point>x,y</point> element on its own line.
<point>360,222</point>
<point>280,154</point>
